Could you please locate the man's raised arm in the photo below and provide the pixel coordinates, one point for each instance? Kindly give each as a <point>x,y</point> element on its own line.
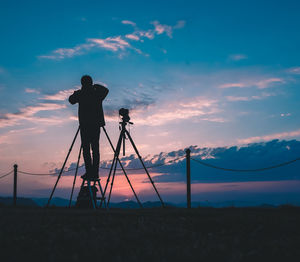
<point>73,99</point>
<point>102,91</point>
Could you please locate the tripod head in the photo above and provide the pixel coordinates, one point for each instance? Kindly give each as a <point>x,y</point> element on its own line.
<point>124,115</point>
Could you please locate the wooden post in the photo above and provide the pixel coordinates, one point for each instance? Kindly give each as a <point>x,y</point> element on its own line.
<point>188,177</point>
<point>15,184</point>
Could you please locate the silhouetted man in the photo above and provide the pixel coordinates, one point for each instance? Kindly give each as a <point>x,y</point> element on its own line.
<point>91,119</point>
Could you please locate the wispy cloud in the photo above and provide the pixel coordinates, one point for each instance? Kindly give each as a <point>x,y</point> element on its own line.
<point>249,98</point>
<point>128,22</point>
<point>294,70</point>
<point>260,84</point>
<point>29,114</point>
<point>285,114</point>
<point>282,135</point>
<point>159,29</point>
<point>180,24</point>
<point>118,43</point>
<point>62,53</point>
<point>199,108</point>
<point>266,83</point>
<point>132,37</point>
<point>32,91</point>
<point>229,85</point>
<point>237,57</point>
<point>111,43</point>
<point>59,96</point>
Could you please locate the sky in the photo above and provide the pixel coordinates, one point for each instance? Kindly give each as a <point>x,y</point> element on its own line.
<point>192,73</point>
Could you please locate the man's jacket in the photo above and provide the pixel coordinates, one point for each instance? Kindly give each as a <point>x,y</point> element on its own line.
<point>90,110</point>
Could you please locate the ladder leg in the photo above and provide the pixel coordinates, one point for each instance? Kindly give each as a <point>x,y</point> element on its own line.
<point>91,194</point>
<point>102,194</point>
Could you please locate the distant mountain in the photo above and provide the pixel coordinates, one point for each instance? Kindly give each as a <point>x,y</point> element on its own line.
<point>125,204</point>
<point>21,201</point>
<point>56,201</point>
<point>133,204</point>
<point>61,202</point>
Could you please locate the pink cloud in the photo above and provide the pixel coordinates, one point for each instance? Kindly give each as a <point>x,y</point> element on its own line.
<point>127,22</point>
<point>60,96</point>
<point>115,43</point>
<point>260,84</point>
<point>111,43</point>
<point>238,98</point>
<point>268,82</point>
<point>32,91</point>
<point>200,108</point>
<point>132,37</point>
<point>28,113</point>
<point>229,85</point>
<point>282,135</point>
<point>160,29</point>
<point>249,98</point>
<point>62,53</point>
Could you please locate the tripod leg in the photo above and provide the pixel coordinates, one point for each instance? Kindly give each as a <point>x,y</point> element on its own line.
<point>139,156</point>
<point>112,183</point>
<point>108,178</point>
<point>114,163</point>
<point>117,153</point>
<point>121,165</point>
<point>62,169</point>
<point>70,202</point>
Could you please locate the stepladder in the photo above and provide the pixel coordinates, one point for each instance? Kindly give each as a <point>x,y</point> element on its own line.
<point>90,193</point>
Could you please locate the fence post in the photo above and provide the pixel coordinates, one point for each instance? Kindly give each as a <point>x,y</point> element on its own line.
<point>15,184</point>
<point>188,177</point>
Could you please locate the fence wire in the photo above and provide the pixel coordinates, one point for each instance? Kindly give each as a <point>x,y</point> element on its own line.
<point>246,170</point>
<point>102,167</point>
<point>7,174</point>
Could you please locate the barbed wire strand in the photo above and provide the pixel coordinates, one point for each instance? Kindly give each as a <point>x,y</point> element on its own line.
<point>102,167</point>
<point>7,174</point>
<point>246,170</point>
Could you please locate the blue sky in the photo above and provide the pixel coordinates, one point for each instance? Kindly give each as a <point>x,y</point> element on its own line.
<point>215,73</point>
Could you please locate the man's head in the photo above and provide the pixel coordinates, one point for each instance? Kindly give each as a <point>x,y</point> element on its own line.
<point>86,81</point>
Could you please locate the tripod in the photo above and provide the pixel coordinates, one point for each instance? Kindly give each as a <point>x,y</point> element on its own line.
<point>123,133</point>
<point>93,198</point>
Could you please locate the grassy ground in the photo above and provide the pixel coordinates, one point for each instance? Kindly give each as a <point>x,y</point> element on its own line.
<point>202,234</point>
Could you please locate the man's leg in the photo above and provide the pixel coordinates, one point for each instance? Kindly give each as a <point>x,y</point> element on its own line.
<point>85,142</point>
<point>95,149</point>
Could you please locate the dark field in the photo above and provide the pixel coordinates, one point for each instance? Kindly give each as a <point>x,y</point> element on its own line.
<point>202,234</point>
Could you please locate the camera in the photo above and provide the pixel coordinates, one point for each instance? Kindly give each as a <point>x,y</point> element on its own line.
<point>124,114</point>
